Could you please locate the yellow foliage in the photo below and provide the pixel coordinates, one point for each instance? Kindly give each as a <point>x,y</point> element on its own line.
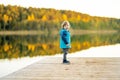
<point>6,47</point>
<point>97,43</point>
<point>31,47</point>
<point>76,46</point>
<point>31,17</point>
<point>44,18</point>
<point>64,17</point>
<point>5,17</point>
<point>15,55</point>
<point>42,52</point>
<point>78,17</point>
<point>10,18</point>
<point>44,46</point>
<point>79,46</point>
<point>9,53</point>
<point>86,44</point>
<point>56,20</point>
<point>86,19</point>
<point>10,46</point>
<point>96,22</point>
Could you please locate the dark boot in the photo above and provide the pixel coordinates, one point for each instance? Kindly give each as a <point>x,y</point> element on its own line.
<point>66,62</point>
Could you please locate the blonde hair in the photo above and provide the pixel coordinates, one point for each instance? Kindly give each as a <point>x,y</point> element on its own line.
<point>64,23</point>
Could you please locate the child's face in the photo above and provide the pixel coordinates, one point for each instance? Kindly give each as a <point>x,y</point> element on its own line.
<point>66,26</point>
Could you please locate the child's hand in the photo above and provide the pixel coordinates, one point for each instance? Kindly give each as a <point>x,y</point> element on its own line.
<point>67,45</point>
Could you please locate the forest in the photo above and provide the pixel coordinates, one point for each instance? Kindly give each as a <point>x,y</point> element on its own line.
<point>49,19</point>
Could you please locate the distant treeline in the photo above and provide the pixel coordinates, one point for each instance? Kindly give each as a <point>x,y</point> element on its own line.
<point>20,18</point>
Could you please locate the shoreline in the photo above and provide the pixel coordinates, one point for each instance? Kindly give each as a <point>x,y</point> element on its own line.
<point>74,32</point>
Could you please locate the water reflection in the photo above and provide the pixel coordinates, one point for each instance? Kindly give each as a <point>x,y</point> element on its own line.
<point>15,46</point>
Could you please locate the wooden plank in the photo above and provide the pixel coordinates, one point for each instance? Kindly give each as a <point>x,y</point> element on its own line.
<point>79,69</point>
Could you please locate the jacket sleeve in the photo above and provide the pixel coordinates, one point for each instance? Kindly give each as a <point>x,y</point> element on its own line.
<point>64,37</point>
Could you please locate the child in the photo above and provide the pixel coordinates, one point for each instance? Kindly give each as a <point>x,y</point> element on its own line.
<point>65,40</point>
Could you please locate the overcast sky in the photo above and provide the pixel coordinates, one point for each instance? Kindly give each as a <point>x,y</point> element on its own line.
<point>104,8</point>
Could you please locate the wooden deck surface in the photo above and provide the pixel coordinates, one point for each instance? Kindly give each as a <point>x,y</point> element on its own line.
<point>79,69</point>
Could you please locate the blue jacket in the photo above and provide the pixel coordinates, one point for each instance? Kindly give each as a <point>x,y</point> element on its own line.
<point>65,38</point>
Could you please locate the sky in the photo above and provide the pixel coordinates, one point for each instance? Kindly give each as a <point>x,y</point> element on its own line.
<point>102,8</point>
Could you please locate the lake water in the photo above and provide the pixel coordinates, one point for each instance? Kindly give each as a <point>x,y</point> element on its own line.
<point>17,51</point>
<point>17,46</point>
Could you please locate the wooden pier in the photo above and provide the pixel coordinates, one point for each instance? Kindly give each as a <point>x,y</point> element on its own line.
<point>80,69</point>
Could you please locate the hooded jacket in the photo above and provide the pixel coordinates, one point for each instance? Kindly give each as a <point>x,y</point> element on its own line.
<point>65,38</point>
